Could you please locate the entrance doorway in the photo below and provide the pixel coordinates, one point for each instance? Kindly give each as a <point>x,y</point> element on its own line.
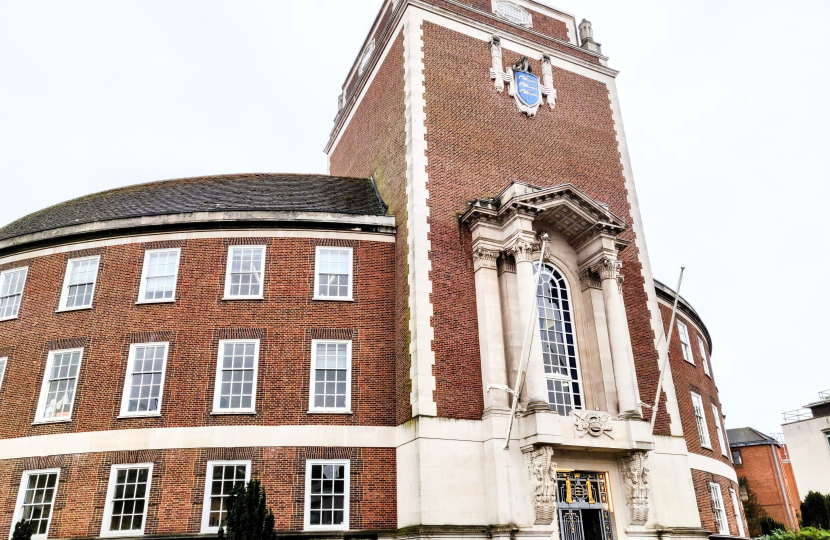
<point>583,506</point>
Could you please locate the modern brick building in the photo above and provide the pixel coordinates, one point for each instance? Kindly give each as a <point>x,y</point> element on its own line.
<point>765,464</point>
<point>352,340</point>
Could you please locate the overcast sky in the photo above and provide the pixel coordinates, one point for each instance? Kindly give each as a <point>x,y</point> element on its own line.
<point>726,106</point>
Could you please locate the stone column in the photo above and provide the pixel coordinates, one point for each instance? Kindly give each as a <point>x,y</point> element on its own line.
<point>535,387</point>
<point>609,270</point>
<point>490,332</point>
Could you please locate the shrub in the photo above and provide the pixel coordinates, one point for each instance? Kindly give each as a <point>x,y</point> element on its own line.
<point>249,517</point>
<point>769,525</point>
<point>815,511</point>
<point>23,530</point>
<point>752,509</point>
<point>806,533</point>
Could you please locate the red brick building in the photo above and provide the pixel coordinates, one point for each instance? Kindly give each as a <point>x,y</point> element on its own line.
<point>456,333</point>
<point>765,464</point>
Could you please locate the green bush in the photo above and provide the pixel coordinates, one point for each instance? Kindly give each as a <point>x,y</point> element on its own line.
<point>753,510</point>
<point>769,525</point>
<point>23,530</point>
<point>805,533</point>
<point>815,511</point>
<point>249,517</point>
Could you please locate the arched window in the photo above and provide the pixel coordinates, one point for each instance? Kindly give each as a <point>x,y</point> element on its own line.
<point>558,341</point>
<point>513,13</point>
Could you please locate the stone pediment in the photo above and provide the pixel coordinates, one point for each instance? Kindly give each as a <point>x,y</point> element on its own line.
<point>563,209</point>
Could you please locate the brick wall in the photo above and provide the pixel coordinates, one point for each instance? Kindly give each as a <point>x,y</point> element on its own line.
<point>477,143</point>
<point>758,468</point>
<point>178,485</point>
<point>374,144</point>
<point>701,481</point>
<point>285,321</point>
<point>690,378</point>
<point>541,23</point>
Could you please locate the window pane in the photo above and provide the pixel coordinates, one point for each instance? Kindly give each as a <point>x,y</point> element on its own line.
<point>60,385</point>
<point>11,291</point>
<point>246,272</point>
<point>334,273</point>
<point>38,499</point>
<point>330,375</point>
<point>225,478</point>
<point>146,379</point>
<point>236,377</point>
<point>327,494</point>
<point>128,503</point>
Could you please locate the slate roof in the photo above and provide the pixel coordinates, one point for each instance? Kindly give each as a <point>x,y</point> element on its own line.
<point>237,192</point>
<point>747,436</point>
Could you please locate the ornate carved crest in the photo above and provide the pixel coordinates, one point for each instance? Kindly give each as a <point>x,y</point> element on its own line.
<point>542,472</point>
<point>593,423</point>
<point>635,475</point>
<point>525,87</point>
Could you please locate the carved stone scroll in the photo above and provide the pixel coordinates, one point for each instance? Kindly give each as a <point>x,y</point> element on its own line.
<point>542,471</point>
<point>484,258</point>
<point>593,423</point>
<point>635,475</point>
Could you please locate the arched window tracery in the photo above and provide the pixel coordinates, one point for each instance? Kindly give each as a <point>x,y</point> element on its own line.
<point>559,351</point>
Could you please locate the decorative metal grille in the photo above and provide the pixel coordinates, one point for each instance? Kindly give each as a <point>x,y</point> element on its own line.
<point>578,491</point>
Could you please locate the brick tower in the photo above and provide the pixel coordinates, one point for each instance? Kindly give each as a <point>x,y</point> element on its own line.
<point>486,124</point>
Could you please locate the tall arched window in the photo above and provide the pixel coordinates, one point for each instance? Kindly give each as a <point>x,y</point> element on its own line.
<point>558,341</point>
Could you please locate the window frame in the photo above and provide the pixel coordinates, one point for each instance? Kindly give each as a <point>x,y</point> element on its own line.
<point>331,410</point>
<point>4,361</point>
<point>349,297</point>
<point>41,403</point>
<point>740,461</point>
<point>105,531</point>
<point>704,358</point>
<point>307,495</point>
<point>365,57</point>
<point>736,509</point>
<point>208,476</point>
<point>125,400</point>
<point>142,287</point>
<point>218,383</point>
<point>21,493</point>
<point>702,430</point>
<point>721,436</point>
<point>721,521</point>
<point>685,346</point>
<point>229,266</point>
<point>827,438</point>
<point>25,270</point>
<point>65,290</point>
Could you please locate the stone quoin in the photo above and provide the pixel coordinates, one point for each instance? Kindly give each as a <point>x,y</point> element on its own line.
<point>354,340</point>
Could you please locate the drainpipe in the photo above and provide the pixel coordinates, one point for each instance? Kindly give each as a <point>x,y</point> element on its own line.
<point>781,483</point>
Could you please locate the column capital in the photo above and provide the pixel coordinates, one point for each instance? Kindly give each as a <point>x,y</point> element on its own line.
<point>484,258</point>
<point>523,250</point>
<point>608,268</point>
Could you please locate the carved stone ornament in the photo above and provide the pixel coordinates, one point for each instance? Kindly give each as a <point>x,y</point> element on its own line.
<point>635,476</point>
<point>525,87</point>
<point>608,269</point>
<point>523,251</point>
<point>542,471</point>
<point>593,423</point>
<point>484,258</point>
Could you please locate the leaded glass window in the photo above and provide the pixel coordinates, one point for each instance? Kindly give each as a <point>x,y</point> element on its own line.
<point>327,495</point>
<point>158,280</point>
<point>245,270</point>
<point>145,379</point>
<point>58,390</point>
<point>11,291</point>
<point>127,500</point>
<point>236,376</point>
<point>513,13</point>
<point>36,499</point>
<point>79,283</point>
<point>559,352</point>
<point>331,375</point>
<point>222,477</point>
<point>333,274</point>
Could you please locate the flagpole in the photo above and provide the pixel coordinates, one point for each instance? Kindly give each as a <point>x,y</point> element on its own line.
<point>668,340</point>
<point>520,379</point>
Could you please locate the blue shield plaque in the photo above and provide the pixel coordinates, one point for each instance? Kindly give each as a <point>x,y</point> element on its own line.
<point>527,88</point>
